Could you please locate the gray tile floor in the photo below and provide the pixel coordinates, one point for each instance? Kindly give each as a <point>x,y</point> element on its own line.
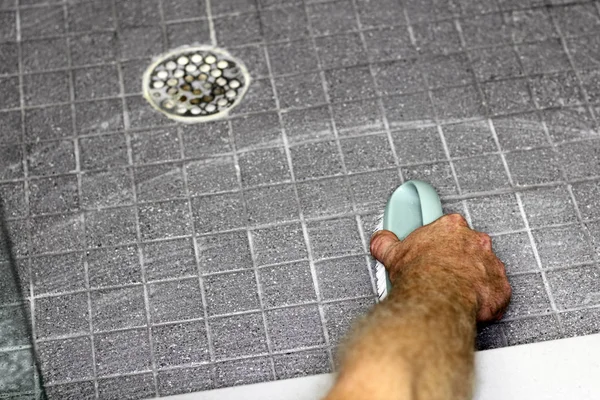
<point>160,258</point>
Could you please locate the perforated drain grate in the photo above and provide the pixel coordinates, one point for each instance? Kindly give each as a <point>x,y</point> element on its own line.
<point>194,84</point>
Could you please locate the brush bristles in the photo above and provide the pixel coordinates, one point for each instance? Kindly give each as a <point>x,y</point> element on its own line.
<point>380,272</point>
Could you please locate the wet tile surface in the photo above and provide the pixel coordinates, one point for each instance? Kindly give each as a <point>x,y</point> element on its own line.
<point>224,249</point>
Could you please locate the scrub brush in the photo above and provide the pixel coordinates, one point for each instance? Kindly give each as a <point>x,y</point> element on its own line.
<point>412,205</point>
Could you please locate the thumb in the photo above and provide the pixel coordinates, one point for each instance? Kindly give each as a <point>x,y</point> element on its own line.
<point>381,244</point>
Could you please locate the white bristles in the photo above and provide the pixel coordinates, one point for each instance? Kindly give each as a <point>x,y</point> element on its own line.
<point>380,272</point>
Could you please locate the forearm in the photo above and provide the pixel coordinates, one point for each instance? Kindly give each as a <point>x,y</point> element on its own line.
<point>416,344</point>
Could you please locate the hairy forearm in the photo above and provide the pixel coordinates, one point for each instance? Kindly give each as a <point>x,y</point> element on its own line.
<point>416,344</point>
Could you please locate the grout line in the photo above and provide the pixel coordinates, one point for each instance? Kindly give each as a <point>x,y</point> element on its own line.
<point>163,28</point>
<point>211,23</point>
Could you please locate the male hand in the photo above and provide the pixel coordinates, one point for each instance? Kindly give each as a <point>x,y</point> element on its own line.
<point>445,246</point>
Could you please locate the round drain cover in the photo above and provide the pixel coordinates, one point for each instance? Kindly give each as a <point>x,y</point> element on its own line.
<point>194,84</point>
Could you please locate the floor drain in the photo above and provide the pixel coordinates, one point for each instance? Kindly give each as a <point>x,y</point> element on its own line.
<point>194,84</point>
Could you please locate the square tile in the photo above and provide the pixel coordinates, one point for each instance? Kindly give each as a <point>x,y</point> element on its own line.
<point>9,25</point>
<point>490,337</point>
<point>447,70</point>
<point>65,360</point>
<point>294,365</point>
<point>529,296</point>
<point>58,273</point>
<point>587,196</point>
<point>96,82</point>
<point>49,158</point>
<point>285,23</point>
<point>243,372</point>
<point>12,198</point>
<point>580,159</point>
<point>480,174</point>
<point>206,139</point>
<point>215,252</point>
<point>436,37</point>
<point>53,195</point>
<point>56,233</point>
<point>93,48</point>
<point>143,115</point>
<point>577,19</point>
<point>300,91</point>
<point>279,244</point>
<point>159,182</point>
<point>417,145</point>
<point>238,335</point>
<point>122,352</point>
<point>234,6</point>
<point>419,10</point>
<point>45,88</point>
<point>579,323</point>
<point>256,130</point>
<point>218,212</point>
<point>469,139</point>
<point>42,21</point>
<point>132,72</point>
<point>557,90</point>
<point>271,204</point>
<point>136,12</point>
<point>371,191</point>
<point>284,285</point>
<point>379,12</point>
<point>293,57</point>
<point>255,59</point>
<point>45,123</point>
<point>397,77</point>
<point>339,317</point>
<point>343,278</point>
<point>531,25</point>
<point>332,17</point>
<point>180,344</point>
<point>175,300</point>
<point>187,380</point>
<point>118,308</point>
<point>576,287</point>
<point>456,103</point>
<point>388,43</point>
<point>231,293</point>
<point>439,175</point>
<point>307,124</point>
<point>90,16</point>
<point>10,87</point>
<point>548,206</point>
<point>532,330</point>
<point>408,111</point>
<point>40,55</point>
<point>20,365</point>
<point>259,97</point>
<point>110,227</point>
<point>295,327</point>
<point>18,230</point>
<point>338,51</point>
<point>533,166</point>
<point>495,214</point>
<point>61,315</point>
<point>179,34</point>
<point>543,57</point>
<point>11,121</point>
<point>515,251</point>
<point>160,145</point>
<point>348,84</point>
<point>106,188</point>
<point>181,9</point>
<point>584,51</point>
<point>316,159</point>
<point>519,132</point>
<point>495,63</point>
<point>114,266</point>
<point>325,197</point>
<point>164,220</point>
<point>138,42</point>
<point>264,167</point>
<point>355,118</point>
<point>130,387</point>
<point>237,30</point>
<point>80,390</point>
<point>486,30</point>
<point>336,237</point>
<point>563,246</point>
<point>507,96</point>
<point>590,80</point>
<point>99,116</point>
<point>169,259</point>
<point>367,153</point>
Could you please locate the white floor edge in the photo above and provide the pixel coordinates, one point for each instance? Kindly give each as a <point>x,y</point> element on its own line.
<point>559,369</point>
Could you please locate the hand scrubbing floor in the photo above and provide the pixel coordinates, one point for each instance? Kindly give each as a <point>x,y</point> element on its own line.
<point>412,205</point>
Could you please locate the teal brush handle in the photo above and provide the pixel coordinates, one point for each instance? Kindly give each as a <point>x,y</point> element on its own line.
<point>412,205</point>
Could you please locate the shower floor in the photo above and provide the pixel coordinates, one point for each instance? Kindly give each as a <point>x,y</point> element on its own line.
<point>160,258</point>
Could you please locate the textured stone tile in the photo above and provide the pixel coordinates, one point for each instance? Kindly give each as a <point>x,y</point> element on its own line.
<point>218,212</point>
<point>548,206</point>
<point>12,197</point>
<point>180,344</point>
<point>284,23</point>
<point>398,77</point>
<point>103,151</point>
<point>254,58</point>
<point>580,159</point>
<point>256,130</point>
<point>20,365</point>
<point>495,214</point>
<point>96,82</point>
<point>408,111</point>
<point>231,293</point>
<point>114,266</point>
<point>344,277</point>
<point>379,13</point>
<point>529,296</point>
<point>543,57</point>
<point>243,372</point>
<point>264,166</point>
<point>159,182</point>
<point>457,103</point>
<point>333,17</point>
<point>336,237</point>
<point>206,139</point>
<point>15,326</point>
<point>325,197</point>
<point>530,330</point>
<point>367,153</point>
<point>56,233</point>
<point>371,191</point>
<point>482,173</point>
<point>143,115</point>
<point>469,139</point>
<point>259,97</point>
<point>130,387</point>
<point>519,132</point>
<point>576,287</point>
<point>348,84</point>
<point>12,131</point>
<point>39,55</point>
<point>418,145</point>
<point>439,175</point>
<point>140,41</point>
<point>340,316</point>
<point>179,34</point>
<point>53,195</point>
<point>295,327</point>
<point>490,337</point>
<point>45,88</point>
<point>162,145</point>
<point>110,227</point>
<point>118,308</point>
<point>122,352</point>
<point>286,284</point>
<point>238,335</point>
<point>164,220</point>
<point>533,166</point>
<point>61,315</point>
<point>11,162</point>
<point>436,37</point>
<point>515,251</point>
<point>579,323</point>
<point>99,116</point>
<point>90,16</point>
<point>64,360</point>
<point>307,124</point>
<point>577,19</point>
<point>279,244</point>
<point>49,158</point>
<point>42,21</point>
<point>94,48</point>
<point>271,204</point>
<point>238,29</point>
<point>294,365</point>
<point>557,90</point>
<point>507,96</point>
<point>343,50</point>
<point>495,63</point>
<point>175,300</point>
<point>80,390</point>
<point>107,188</point>
<point>315,160</point>
<point>223,252</point>
<point>353,118</point>
<point>562,246</point>
<point>310,85</point>
<point>587,196</point>
<point>185,380</point>
<point>169,259</point>
<point>447,70</point>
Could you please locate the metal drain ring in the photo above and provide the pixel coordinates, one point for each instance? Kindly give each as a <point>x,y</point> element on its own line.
<point>195,84</point>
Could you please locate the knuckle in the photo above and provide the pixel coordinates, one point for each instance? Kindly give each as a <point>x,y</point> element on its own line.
<point>486,241</point>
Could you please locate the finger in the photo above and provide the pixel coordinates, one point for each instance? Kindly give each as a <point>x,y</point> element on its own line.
<point>381,244</point>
